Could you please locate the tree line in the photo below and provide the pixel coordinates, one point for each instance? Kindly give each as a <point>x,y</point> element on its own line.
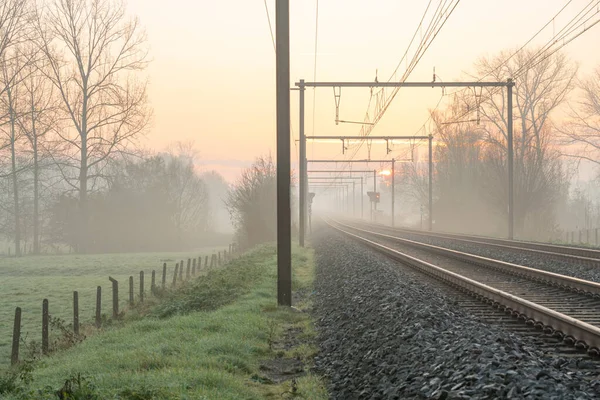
<point>556,117</point>
<point>73,106</point>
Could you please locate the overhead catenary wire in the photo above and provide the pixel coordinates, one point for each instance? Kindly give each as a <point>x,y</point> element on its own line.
<point>275,50</point>
<point>443,11</point>
<point>270,26</point>
<point>543,53</point>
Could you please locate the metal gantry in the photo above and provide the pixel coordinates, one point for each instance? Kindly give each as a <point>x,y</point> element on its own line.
<point>393,161</point>
<point>387,140</point>
<point>302,85</point>
<point>341,180</point>
<point>374,172</point>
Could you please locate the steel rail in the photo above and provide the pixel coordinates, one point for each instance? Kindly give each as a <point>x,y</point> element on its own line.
<point>566,253</point>
<point>535,313</point>
<point>576,284</point>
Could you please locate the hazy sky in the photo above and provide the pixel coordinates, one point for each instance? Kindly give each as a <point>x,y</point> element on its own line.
<point>213,70</point>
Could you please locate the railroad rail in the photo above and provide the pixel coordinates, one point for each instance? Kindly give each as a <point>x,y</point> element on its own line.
<point>584,256</point>
<point>561,305</point>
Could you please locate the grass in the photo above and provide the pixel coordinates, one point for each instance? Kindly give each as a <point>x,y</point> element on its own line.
<point>205,341</point>
<point>26,281</point>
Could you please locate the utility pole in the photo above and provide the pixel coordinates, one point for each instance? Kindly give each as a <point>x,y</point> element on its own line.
<point>303,183</point>
<point>354,199</point>
<point>393,192</point>
<point>284,220</point>
<point>511,204</point>
<point>362,199</point>
<point>430,186</point>
<point>374,211</point>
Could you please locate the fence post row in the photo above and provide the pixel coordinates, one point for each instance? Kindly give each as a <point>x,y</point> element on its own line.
<point>16,339</point>
<point>175,274</point>
<point>153,282</point>
<point>181,271</point>
<point>141,286</point>
<point>98,307</point>
<point>45,328</point>
<point>131,290</point>
<point>115,296</point>
<point>76,313</point>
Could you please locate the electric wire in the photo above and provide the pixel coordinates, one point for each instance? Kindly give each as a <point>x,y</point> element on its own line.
<point>270,26</point>
<point>431,32</point>
<point>315,68</point>
<point>275,50</point>
<point>539,56</point>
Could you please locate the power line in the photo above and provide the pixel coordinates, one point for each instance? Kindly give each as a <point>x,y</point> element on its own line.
<point>275,50</point>
<point>270,26</point>
<point>542,53</point>
<point>444,8</point>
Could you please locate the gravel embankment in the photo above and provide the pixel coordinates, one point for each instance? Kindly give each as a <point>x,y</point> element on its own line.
<point>386,334</point>
<point>532,260</point>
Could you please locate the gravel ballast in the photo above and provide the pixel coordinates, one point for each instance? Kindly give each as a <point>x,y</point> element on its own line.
<point>386,333</point>
<point>574,269</point>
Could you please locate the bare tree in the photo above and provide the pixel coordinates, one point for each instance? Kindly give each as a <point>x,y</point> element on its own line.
<point>539,90</point>
<point>13,14</point>
<point>583,130</point>
<point>38,119</point>
<point>93,49</point>
<point>13,30</point>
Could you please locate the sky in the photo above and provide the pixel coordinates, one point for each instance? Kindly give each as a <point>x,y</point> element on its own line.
<point>212,75</point>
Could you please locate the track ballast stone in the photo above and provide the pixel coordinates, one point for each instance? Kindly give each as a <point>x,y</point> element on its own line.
<point>384,334</point>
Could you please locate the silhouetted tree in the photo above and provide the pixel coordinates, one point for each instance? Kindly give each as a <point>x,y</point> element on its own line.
<point>252,203</point>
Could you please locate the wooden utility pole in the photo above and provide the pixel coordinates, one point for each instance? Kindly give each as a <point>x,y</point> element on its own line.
<point>284,215</point>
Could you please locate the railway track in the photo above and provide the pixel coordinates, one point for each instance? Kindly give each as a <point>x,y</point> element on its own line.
<point>562,308</point>
<point>579,255</point>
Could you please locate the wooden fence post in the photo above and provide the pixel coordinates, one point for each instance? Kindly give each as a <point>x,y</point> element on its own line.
<point>206,262</point>
<point>199,261</point>
<point>141,286</point>
<point>76,313</point>
<point>115,296</point>
<point>164,276</point>
<point>194,267</point>
<point>98,307</point>
<point>219,259</point>
<point>181,271</point>
<point>131,291</point>
<point>45,328</point>
<point>189,269</point>
<point>175,274</point>
<point>153,283</point>
<point>16,339</point>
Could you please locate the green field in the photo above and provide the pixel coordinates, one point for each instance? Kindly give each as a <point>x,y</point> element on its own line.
<point>26,281</point>
<point>217,337</point>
